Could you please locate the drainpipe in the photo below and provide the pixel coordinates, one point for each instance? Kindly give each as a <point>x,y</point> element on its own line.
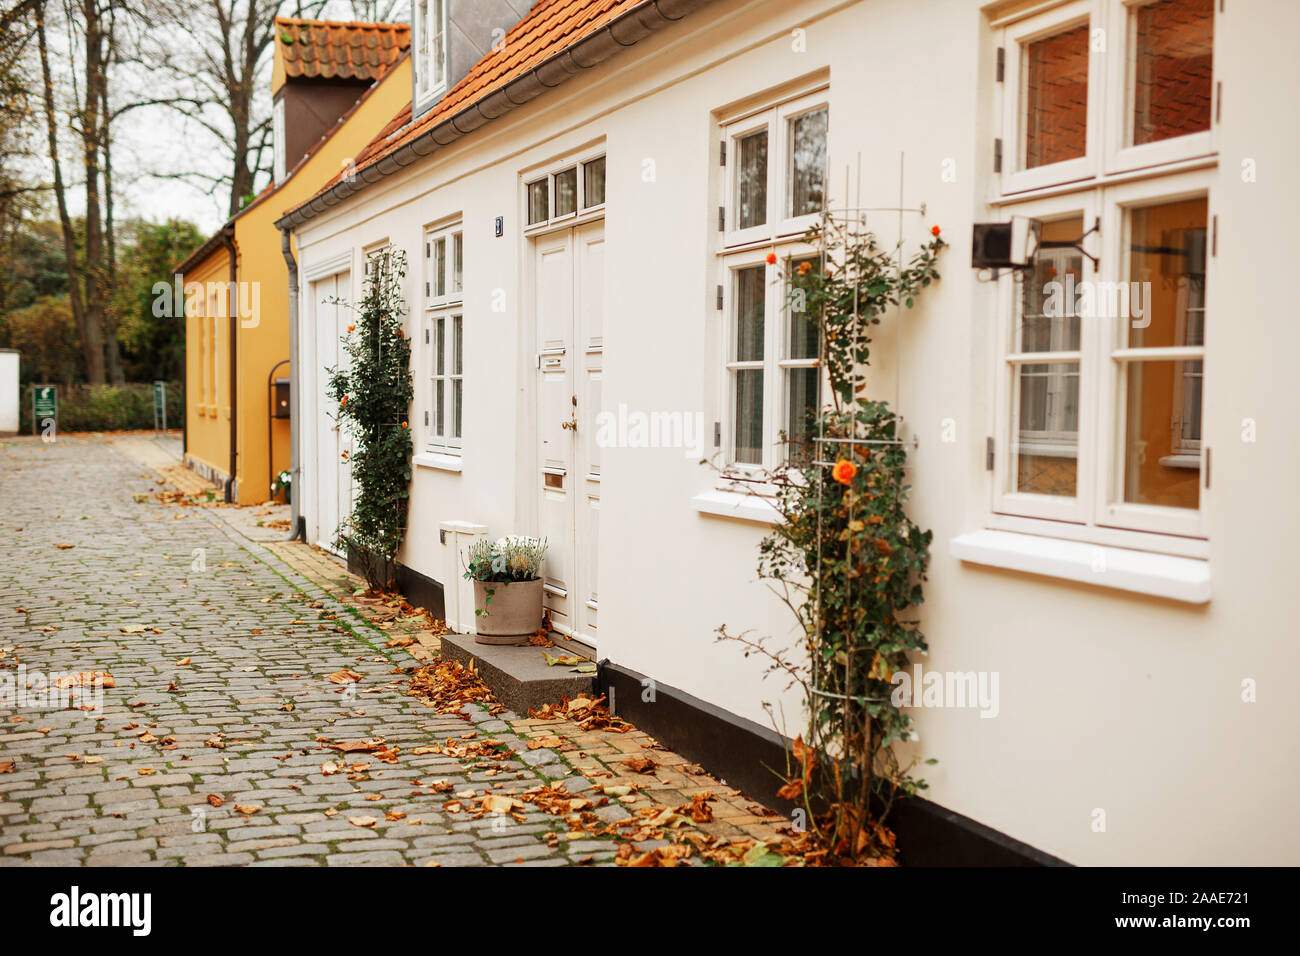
<point>228,240</point>
<point>297,524</point>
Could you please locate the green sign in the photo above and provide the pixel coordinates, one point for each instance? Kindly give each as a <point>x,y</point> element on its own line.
<point>45,405</point>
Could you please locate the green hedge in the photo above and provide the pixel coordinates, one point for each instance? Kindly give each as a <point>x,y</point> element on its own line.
<point>102,408</point>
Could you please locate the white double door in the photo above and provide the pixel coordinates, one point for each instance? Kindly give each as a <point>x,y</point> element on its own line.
<point>569,283</point>
<point>331,478</point>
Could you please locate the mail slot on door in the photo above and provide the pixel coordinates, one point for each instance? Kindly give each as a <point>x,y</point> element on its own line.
<point>552,361</point>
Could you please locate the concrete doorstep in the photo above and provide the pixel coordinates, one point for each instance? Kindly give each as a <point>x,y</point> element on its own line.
<point>518,675</point>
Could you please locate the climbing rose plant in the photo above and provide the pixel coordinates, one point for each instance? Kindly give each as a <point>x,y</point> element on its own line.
<point>846,558</point>
<point>373,392</point>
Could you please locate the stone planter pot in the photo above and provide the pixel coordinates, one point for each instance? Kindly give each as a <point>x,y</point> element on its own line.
<point>514,612</point>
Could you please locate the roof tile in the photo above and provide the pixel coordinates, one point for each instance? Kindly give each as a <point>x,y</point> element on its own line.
<point>334,50</point>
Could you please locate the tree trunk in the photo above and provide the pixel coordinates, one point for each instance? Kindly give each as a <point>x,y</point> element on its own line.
<point>113,350</point>
<point>60,195</point>
<point>90,140</point>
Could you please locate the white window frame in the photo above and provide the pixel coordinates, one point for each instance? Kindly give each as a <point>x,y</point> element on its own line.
<point>430,34</point>
<point>277,136</point>
<point>1109,505</point>
<point>581,211</point>
<point>776,362</point>
<point>446,307</point>
<point>1110,106</point>
<point>1097,511</point>
<point>1015,38</point>
<point>1120,156</point>
<point>775,119</point>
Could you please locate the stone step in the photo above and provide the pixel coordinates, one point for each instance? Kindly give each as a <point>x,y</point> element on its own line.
<point>518,674</point>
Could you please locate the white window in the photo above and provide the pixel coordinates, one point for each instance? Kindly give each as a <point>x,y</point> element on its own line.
<point>1100,402</point>
<point>277,135</point>
<point>774,376</point>
<point>776,170</point>
<point>444,338</point>
<point>774,187</point>
<point>430,51</point>
<point>1102,341</point>
<point>573,189</point>
<point>1104,86</point>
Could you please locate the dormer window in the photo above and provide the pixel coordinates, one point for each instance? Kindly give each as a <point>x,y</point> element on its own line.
<point>430,51</point>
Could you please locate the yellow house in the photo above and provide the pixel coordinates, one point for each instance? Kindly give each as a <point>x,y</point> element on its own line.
<point>334,86</point>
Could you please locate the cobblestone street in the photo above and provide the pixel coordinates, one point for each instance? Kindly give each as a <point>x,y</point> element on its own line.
<point>220,652</point>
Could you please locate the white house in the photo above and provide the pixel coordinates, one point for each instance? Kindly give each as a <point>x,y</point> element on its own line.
<point>588,212</point>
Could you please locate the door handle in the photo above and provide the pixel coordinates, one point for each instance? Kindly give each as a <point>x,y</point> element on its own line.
<point>570,425</point>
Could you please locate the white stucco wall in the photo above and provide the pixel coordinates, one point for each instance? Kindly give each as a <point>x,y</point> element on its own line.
<point>1108,699</point>
<point>10,395</point>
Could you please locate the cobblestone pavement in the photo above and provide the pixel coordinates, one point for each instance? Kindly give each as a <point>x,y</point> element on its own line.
<point>220,651</point>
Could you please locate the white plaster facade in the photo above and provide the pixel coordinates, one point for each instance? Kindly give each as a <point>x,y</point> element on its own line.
<point>1121,655</point>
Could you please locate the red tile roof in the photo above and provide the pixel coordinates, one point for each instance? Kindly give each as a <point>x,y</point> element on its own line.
<point>328,49</point>
<point>549,28</point>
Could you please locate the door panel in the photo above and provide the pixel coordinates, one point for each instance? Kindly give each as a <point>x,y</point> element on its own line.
<point>333,474</point>
<point>569,297</point>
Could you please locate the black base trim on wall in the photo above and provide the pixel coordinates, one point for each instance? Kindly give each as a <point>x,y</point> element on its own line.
<point>746,755</point>
<point>420,589</point>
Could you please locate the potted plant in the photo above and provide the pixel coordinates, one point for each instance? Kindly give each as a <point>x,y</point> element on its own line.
<point>507,588</point>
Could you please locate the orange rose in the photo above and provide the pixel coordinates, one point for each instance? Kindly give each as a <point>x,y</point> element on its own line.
<point>771,258</point>
<point>844,471</point>
<point>403,424</point>
<point>344,400</point>
<point>805,268</point>
<point>934,231</point>
<point>351,327</point>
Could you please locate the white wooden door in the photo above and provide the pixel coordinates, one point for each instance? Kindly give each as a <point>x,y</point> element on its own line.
<point>570,304</point>
<point>333,473</point>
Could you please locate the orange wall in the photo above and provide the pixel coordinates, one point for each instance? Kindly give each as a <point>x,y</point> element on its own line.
<point>263,338</point>
<point>207,373</point>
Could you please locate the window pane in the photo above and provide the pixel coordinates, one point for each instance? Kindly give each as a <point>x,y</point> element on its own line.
<point>593,185</point>
<point>1166,288</point>
<point>455,408</point>
<point>801,402</point>
<point>440,267</point>
<point>538,202</point>
<point>457,348</point>
<point>751,306</point>
<point>751,180</point>
<point>1162,441</point>
<point>422,65</point>
<point>749,415</point>
<point>456,263</point>
<point>566,192</point>
<point>1054,98</point>
<point>440,339</point>
<point>807,159</point>
<point>436,43</point>
<point>1046,452</point>
<point>438,387</point>
<point>803,341</point>
<point>1051,296</point>
<point>1173,60</point>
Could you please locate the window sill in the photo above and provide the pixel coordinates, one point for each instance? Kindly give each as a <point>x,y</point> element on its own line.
<point>731,504</point>
<point>1161,575</point>
<point>429,459</point>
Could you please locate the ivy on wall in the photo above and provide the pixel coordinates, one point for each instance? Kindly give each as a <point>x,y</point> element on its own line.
<point>372,393</point>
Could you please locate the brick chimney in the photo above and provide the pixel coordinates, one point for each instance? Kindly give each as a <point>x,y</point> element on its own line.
<point>319,71</point>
